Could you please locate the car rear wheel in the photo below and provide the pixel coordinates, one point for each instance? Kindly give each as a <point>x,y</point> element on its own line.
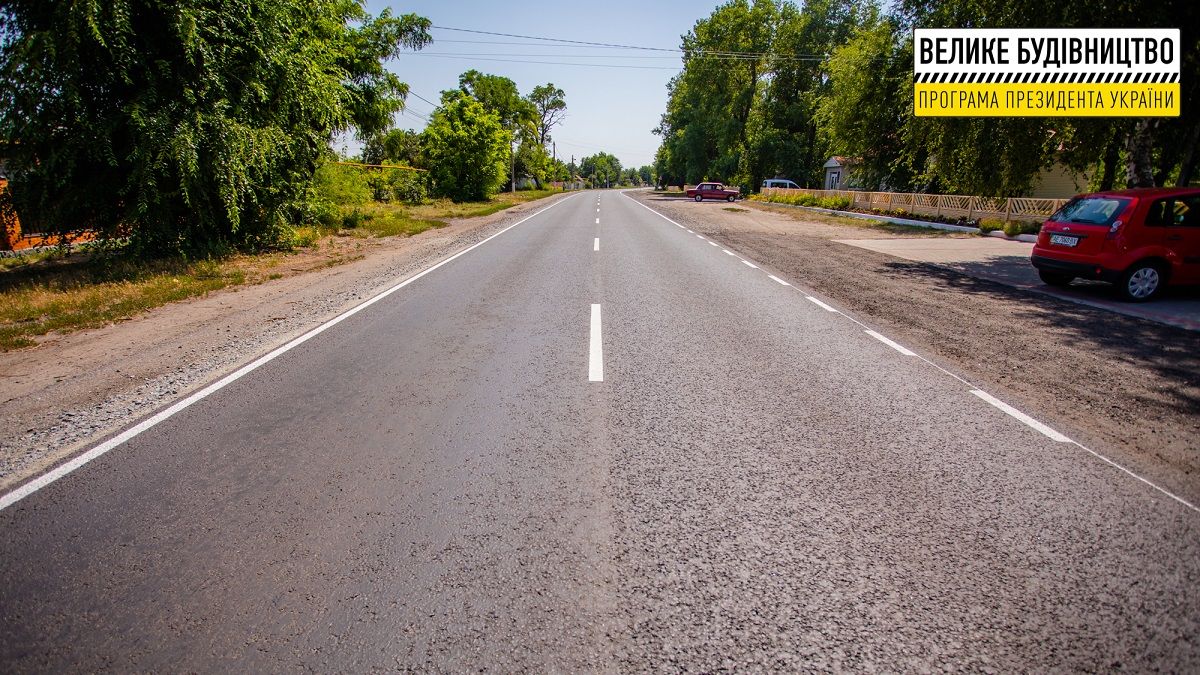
<point>699,198</point>
<point>1056,278</point>
<point>731,197</point>
<point>1141,282</point>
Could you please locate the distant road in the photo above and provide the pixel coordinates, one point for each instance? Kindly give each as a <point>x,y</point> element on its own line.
<point>599,441</point>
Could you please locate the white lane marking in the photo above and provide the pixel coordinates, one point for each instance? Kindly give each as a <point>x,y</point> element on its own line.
<point>728,252</point>
<point>820,304</point>
<point>597,221</point>
<point>1081,446</point>
<point>1022,417</point>
<point>596,244</point>
<point>596,349</point>
<point>747,263</point>
<point>62,470</point>
<point>898,347</point>
<point>689,231</point>
<point>775,278</point>
<point>597,209</point>
<point>713,243</point>
<point>700,236</point>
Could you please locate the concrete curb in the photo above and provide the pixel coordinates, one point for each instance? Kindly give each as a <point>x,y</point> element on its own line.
<point>1027,238</point>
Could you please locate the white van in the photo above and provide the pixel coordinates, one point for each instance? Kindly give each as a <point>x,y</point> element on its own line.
<point>780,183</point>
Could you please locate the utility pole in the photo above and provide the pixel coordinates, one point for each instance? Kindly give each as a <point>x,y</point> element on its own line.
<point>513,153</point>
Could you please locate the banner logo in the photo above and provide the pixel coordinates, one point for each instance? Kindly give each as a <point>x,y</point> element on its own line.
<point>1036,72</point>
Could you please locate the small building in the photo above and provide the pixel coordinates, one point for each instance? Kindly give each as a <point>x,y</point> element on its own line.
<point>837,173</point>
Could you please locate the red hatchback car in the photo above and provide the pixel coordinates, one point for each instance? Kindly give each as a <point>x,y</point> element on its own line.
<point>1141,240</point>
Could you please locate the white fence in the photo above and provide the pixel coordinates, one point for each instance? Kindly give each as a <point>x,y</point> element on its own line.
<point>971,208</point>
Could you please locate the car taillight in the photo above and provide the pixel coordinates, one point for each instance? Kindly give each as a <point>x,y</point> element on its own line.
<point>1113,229</point>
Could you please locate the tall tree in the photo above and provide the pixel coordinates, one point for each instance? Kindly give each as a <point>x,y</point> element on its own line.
<point>466,147</point>
<point>192,124</point>
<point>551,105</point>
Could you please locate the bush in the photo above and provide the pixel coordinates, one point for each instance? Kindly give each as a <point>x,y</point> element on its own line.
<point>407,186</point>
<point>990,225</point>
<point>1031,227</point>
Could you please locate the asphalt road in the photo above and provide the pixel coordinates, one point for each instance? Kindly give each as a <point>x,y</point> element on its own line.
<point>460,476</point>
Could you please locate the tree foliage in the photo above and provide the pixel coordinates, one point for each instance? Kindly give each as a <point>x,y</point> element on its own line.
<point>191,124</point>
<point>466,149</point>
<point>834,78</point>
<point>550,104</point>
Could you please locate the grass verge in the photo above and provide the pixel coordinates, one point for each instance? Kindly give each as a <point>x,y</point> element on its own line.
<point>54,291</point>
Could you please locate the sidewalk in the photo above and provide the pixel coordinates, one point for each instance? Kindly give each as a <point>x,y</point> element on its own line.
<point>1007,262</point>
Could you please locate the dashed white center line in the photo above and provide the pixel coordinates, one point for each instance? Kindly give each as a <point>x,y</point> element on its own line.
<point>1026,419</point>
<point>747,263</point>
<point>898,347</point>
<point>777,279</point>
<point>700,236</point>
<point>728,252</point>
<point>597,221</point>
<point>689,231</point>
<point>713,244</point>
<point>596,244</point>
<point>596,349</point>
<point>820,304</point>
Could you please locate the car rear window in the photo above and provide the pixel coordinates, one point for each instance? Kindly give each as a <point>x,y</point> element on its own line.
<point>1091,210</point>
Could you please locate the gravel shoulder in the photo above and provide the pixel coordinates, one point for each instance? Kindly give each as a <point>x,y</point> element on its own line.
<point>1126,387</point>
<point>72,390</point>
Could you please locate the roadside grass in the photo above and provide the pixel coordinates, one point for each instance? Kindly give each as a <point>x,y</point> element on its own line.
<point>734,209</point>
<point>58,291</point>
<point>82,291</point>
<point>392,219</point>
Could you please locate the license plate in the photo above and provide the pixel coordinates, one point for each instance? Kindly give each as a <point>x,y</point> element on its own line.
<point>1063,240</point>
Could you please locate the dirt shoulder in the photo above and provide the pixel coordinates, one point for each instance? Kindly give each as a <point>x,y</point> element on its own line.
<point>71,390</point>
<point>1127,387</point>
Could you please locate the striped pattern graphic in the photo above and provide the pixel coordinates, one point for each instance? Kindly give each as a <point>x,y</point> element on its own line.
<point>1046,78</point>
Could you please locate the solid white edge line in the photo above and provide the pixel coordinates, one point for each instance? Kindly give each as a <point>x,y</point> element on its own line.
<point>1022,417</point>
<point>747,263</point>
<point>713,243</point>
<point>1081,446</point>
<point>596,244</point>
<point>820,304</point>
<point>898,347</point>
<point>66,468</point>
<point>777,279</point>
<point>700,236</point>
<point>595,348</point>
<point>728,252</point>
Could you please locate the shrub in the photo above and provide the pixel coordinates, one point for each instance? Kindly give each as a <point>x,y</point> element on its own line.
<point>408,187</point>
<point>990,225</point>
<point>305,237</point>
<point>1031,227</point>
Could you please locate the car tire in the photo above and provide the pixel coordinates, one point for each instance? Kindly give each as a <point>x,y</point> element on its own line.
<point>1056,278</point>
<point>699,198</point>
<point>1141,282</point>
<point>731,198</point>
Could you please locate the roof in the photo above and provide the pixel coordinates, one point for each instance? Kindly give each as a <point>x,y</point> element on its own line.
<point>838,160</point>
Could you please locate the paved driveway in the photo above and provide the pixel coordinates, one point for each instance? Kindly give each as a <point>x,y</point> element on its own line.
<point>1007,262</point>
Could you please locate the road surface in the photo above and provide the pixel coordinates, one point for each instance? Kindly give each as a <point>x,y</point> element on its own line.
<point>597,441</point>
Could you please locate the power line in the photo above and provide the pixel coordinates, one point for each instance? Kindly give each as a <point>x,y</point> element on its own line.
<point>435,105</point>
<point>621,46</point>
<point>546,63</point>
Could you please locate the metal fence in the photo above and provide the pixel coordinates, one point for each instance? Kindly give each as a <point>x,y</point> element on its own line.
<point>954,206</point>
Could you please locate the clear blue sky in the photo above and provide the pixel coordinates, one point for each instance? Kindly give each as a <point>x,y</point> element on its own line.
<point>608,108</point>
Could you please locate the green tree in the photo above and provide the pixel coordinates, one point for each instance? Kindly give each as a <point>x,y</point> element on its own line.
<point>550,104</point>
<point>466,149</point>
<point>601,169</point>
<point>192,124</point>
